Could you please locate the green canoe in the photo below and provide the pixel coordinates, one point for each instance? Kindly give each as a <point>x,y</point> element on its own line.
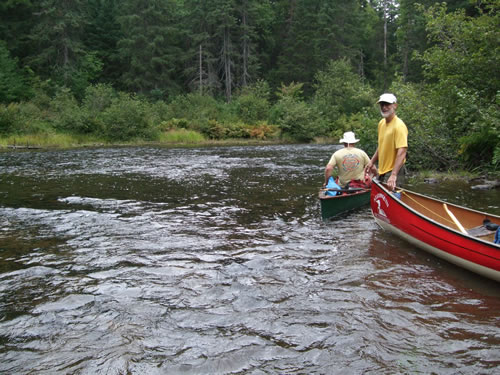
<point>332,206</point>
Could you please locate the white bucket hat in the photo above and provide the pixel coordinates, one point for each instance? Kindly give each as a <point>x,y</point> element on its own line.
<point>387,98</point>
<point>349,137</point>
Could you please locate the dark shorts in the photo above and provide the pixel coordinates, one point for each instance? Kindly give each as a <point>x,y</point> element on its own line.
<point>400,180</point>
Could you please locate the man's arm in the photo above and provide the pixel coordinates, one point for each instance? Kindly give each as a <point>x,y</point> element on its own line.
<point>398,163</point>
<point>370,167</point>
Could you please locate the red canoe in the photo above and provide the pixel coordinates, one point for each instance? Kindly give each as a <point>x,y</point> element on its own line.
<point>457,234</point>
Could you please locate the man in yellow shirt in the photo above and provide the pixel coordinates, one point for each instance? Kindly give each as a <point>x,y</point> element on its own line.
<point>350,162</point>
<point>392,144</point>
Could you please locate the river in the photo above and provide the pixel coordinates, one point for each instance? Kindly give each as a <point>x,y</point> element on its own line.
<point>150,260</point>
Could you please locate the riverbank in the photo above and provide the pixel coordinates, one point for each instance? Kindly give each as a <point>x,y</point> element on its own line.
<point>226,142</point>
<point>60,141</point>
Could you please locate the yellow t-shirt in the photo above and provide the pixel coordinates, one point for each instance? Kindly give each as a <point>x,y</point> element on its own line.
<point>351,163</point>
<point>391,136</point>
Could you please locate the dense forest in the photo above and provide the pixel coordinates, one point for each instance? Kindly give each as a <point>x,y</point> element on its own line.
<point>285,70</point>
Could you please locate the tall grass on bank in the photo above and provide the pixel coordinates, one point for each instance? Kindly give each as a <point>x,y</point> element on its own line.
<point>183,136</point>
<point>45,140</point>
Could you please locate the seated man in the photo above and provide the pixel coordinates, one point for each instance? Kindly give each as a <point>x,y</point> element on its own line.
<point>350,162</point>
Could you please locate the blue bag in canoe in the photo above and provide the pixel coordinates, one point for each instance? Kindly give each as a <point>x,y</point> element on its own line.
<point>332,185</point>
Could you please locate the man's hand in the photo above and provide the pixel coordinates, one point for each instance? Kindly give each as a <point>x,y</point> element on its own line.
<point>370,169</point>
<point>391,182</point>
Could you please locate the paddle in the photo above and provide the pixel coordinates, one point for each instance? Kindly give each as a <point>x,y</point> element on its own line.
<point>348,190</point>
<point>455,220</point>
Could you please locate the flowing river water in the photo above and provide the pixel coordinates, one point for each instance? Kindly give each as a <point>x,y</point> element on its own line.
<point>146,260</point>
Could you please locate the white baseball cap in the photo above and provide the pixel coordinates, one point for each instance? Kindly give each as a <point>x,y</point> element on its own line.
<point>349,137</point>
<point>387,98</point>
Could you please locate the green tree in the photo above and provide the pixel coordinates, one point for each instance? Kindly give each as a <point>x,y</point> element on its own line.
<point>60,52</point>
<point>150,48</point>
<point>199,59</point>
<point>382,66</point>
<point>293,115</point>
<point>339,91</point>
<point>313,32</point>
<point>298,27</point>
<point>16,19</point>
<point>102,33</point>
<point>367,54</point>
<point>223,14</point>
<point>411,35</point>
<point>464,64</point>
<point>126,118</point>
<point>252,104</point>
<point>411,38</point>
<point>254,29</point>
<point>13,86</point>
<point>223,43</point>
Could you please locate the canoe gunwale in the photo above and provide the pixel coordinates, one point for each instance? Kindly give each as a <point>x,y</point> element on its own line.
<point>322,196</point>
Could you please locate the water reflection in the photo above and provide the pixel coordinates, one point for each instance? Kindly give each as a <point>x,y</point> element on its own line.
<point>202,261</point>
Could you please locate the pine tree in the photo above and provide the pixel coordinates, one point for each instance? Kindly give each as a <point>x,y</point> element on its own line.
<point>150,47</point>
<point>224,40</point>
<point>313,32</point>
<point>58,39</point>
<point>16,19</point>
<point>102,34</point>
<point>12,81</point>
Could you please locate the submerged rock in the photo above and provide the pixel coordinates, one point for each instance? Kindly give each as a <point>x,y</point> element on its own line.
<point>487,185</point>
<point>431,180</point>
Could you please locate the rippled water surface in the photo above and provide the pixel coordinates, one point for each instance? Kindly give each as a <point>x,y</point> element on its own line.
<point>216,261</point>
